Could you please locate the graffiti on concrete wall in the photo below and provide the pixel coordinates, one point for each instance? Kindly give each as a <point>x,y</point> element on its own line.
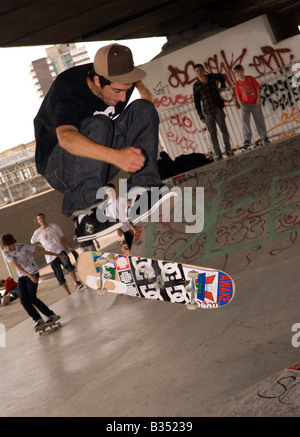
<point>268,60</point>
<point>279,98</point>
<point>252,206</point>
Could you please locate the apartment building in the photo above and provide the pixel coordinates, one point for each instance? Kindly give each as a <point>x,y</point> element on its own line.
<point>19,178</point>
<point>58,58</point>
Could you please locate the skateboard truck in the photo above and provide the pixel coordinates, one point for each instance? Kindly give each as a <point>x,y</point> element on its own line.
<point>193,275</point>
<point>53,326</point>
<point>160,283</point>
<point>102,290</point>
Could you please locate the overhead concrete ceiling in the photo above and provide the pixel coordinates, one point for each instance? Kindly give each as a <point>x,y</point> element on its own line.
<point>43,22</point>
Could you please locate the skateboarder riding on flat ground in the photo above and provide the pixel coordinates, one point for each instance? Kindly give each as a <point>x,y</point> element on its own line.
<point>86,132</point>
<point>21,257</point>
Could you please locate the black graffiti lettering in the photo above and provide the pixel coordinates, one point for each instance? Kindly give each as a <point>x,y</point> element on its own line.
<point>280,94</point>
<point>282,388</point>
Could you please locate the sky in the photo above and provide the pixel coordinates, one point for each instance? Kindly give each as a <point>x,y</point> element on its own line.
<point>19,102</point>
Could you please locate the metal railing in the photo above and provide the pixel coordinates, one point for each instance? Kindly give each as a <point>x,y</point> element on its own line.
<point>182,132</point>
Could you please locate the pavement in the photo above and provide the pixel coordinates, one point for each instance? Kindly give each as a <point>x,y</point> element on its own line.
<point>120,356</point>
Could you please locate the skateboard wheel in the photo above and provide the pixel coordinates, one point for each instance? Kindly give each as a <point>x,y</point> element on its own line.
<point>193,274</point>
<point>192,306</point>
<point>102,292</point>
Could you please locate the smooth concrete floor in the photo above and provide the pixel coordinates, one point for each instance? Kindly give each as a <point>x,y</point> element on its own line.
<point>128,357</point>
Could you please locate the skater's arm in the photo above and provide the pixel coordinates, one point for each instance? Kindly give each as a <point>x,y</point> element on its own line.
<point>239,101</point>
<point>45,252</point>
<point>66,243</point>
<point>258,100</point>
<point>33,278</point>
<point>198,103</point>
<point>38,245</point>
<point>130,159</point>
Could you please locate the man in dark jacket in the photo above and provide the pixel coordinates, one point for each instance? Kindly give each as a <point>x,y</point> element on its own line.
<point>209,105</point>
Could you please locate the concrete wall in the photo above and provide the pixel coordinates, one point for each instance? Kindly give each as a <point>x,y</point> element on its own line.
<point>251,213</point>
<point>19,220</point>
<point>170,79</point>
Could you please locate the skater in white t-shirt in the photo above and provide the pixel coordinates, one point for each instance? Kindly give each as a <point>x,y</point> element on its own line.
<point>51,238</point>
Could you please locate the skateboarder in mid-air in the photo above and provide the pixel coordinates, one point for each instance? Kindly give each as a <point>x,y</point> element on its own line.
<point>86,132</point>
<point>21,257</point>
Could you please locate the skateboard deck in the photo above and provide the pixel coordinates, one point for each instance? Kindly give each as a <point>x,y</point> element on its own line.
<point>50,327</point>
<point>251,146</point>
<point>195,286</point>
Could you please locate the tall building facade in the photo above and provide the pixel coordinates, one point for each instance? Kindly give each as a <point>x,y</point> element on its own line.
<point>19,178</point>
<point>58,58</point>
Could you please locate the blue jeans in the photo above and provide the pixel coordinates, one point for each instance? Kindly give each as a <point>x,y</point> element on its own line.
<point>80,178</point>
<point>27,293</point>
<point>56,266</point>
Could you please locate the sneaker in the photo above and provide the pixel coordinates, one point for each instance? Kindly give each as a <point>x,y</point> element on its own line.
<point>147,203</point>
<point>229,152</point>
<point>266,141</point>
<point>246,144</point>
<point>39,325</point>
<point>218,157</point>
<point>89,227</point>
<point>52,319</point>
<point>78,285</point>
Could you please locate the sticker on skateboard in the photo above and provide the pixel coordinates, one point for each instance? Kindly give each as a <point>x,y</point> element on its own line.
<point>197,287</point>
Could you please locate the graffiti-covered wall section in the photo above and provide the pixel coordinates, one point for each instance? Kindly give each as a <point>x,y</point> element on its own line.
<point>170,80</point>
<point>251,213</point>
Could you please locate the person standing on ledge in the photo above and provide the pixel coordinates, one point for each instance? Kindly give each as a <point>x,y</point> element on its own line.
<point>247,92</point>
<point>209,105</point>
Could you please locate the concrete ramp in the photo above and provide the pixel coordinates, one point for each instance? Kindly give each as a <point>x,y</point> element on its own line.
<point>276,396</point>
<point>251,212</point>
<point>128,357</point>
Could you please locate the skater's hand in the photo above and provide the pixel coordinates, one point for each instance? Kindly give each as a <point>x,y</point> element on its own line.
<point>33,278</point>
<point>130,159</point>
<point>63,256</point>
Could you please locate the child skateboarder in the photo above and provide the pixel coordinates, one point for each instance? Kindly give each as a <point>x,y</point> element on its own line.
<point>21,257</point>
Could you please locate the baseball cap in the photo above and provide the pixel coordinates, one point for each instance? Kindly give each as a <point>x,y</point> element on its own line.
<point>115,63</point>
